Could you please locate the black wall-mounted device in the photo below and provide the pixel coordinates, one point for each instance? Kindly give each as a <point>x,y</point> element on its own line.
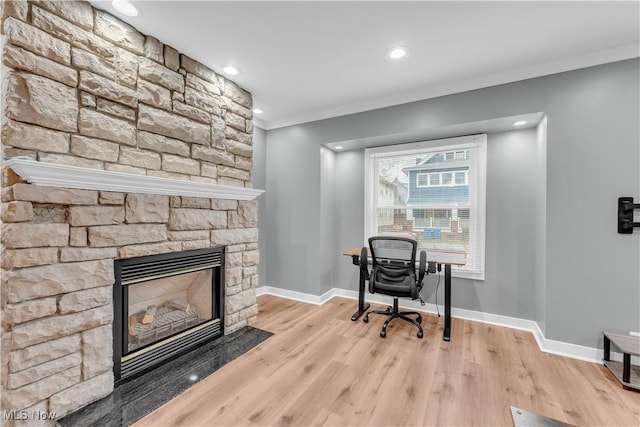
<point>432,267</point>
<point>625,215</point>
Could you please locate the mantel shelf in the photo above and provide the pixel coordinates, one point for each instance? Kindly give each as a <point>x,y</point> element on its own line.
<point>55,175</point>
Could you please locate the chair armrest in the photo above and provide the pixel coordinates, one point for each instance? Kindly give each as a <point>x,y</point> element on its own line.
<point>422,267</point>
<point>364,270</point>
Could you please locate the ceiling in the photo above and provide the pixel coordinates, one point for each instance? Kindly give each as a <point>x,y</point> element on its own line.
<point>310,60</point>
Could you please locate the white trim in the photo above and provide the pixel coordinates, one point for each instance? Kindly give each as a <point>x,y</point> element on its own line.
<point>259,123</point>
<point>295,295</point>
<point>573,351</point>
<point>55,175</point>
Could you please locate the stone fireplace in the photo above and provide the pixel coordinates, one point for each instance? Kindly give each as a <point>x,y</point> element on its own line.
<point>88,93</point>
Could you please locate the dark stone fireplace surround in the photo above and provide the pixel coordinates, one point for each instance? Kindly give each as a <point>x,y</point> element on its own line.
<point>140,396</point>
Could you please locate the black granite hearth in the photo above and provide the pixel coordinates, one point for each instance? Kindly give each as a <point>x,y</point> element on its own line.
<point>140,396</point>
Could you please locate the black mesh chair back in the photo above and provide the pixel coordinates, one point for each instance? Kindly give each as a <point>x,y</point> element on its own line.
<point>394,274</point>
<point>394,266</point>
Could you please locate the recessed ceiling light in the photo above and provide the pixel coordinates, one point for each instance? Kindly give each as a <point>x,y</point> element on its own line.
<point>338,147</point>
<point>232,71</point>
<point>257,111</point>
<point>125,7</point>
<point>397,52</point>
<point>520,123</point>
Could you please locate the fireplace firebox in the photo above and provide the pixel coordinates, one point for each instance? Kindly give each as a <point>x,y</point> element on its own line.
<point>164,306</point>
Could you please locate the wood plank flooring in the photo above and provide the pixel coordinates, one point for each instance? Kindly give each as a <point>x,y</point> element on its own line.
<point>321,369</point>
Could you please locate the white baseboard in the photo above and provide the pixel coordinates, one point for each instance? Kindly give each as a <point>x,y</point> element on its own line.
<point>294,295</point>
<point>560,348</point>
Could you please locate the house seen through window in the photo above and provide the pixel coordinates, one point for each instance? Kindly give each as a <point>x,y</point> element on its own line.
<point>432,191</point>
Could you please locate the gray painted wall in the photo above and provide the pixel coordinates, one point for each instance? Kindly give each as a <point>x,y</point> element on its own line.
<point>350,215</point>
<point>292,224</point>
<point>592,277</point>
<point>328,244</point>
<point>259,181</point>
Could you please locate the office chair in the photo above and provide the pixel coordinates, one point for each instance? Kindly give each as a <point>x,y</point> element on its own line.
<point>394,274</point>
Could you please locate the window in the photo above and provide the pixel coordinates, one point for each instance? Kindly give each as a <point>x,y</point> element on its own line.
<point>447,178</point>
<point>461,178</point>
<point>433,191</point>
<point>424,179</point>
<point>455,155</point>
<point>436,179</point>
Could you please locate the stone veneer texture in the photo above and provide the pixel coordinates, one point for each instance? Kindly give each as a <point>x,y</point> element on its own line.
<point>82,88</point>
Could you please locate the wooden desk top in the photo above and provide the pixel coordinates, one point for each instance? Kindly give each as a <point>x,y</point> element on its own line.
<point>629,344</point>
<point>440,257</point>
<point>352,252</point>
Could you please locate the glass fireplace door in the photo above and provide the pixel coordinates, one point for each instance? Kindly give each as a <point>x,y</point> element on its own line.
<point>166,306</point>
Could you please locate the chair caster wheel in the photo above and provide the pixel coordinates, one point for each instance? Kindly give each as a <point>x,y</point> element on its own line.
<point>420,334</point>
<point>365,319</point>
<point>383,334</point>
<point>419,319</point>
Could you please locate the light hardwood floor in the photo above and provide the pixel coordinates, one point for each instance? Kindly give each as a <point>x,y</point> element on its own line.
<point>320,368</point>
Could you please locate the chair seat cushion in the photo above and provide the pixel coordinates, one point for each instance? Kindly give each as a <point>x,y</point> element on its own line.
<point>394,291</point>
<point>395,282</point>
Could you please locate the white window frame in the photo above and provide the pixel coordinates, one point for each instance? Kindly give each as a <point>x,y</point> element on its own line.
<point>477,193</point>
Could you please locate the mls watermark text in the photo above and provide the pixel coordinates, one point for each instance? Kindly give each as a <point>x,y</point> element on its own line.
<point>24,414</point>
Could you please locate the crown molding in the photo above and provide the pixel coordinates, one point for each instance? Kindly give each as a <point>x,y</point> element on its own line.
<point>55,175</point>
<point>591,59</point>
<point>259,123</point>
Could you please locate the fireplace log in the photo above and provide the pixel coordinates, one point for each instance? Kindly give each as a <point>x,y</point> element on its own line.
<point>166,321</point>
<point>133,319</point>
<point>149,315</point>
<point>177,305</point>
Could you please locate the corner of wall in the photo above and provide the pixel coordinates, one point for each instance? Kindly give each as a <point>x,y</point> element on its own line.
<point>541,225</point>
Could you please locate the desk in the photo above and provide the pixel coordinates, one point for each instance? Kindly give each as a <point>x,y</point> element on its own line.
<point>439,257</point>
<point>629,345</point>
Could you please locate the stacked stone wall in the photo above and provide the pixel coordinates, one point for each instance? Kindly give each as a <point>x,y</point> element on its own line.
<point>58,279</point>
<point>85,89</point>
<point>82,88</point>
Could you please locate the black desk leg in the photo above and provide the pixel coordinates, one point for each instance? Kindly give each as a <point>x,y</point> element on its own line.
<point>626,367</point>
<point>447,302</point>
<point>362,306</point>
<point>607,348</point>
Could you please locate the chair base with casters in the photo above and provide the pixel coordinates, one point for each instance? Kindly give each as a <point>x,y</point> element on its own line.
<point>392,313</point>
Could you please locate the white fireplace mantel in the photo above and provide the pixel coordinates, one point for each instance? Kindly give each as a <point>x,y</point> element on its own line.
<point>55,175</point>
